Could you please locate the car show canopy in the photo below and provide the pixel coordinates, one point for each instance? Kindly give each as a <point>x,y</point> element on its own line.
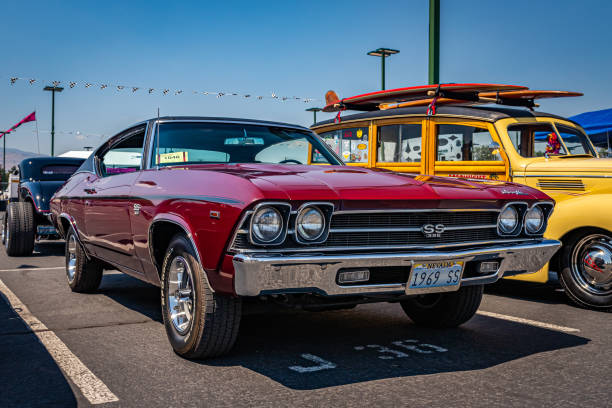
<point>598,125</point>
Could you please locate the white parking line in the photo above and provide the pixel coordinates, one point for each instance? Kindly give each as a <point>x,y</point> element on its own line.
<point>32,269</point>
<point>529,322</point>
<point>90,386</point>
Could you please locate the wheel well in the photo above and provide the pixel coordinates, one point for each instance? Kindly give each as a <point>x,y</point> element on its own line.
<point>159,238</point>
<point>65,224</point>
<point>555,260</point>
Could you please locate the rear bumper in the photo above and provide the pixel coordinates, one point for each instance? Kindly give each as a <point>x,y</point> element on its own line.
<point>257,274</point>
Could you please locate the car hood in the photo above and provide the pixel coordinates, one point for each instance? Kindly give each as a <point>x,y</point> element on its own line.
<point>298,182</point>
<point>569,164</point>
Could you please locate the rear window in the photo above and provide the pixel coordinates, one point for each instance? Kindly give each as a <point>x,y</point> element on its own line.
<point>58,170</point>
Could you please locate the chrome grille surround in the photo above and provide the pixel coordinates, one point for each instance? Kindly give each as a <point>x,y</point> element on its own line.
<point>372,230</point>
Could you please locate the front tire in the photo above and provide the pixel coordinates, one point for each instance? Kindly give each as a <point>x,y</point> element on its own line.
<point>199,322</point>
<point>444,309</point>
<point>84,275</point>
<point>586,269</point>
<point>18,232</point>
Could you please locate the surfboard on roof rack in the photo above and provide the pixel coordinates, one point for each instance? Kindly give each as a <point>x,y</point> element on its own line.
<point>372,101</point>
<point>525,98</point>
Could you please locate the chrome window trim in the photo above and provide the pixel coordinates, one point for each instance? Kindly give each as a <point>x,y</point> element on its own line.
<point>547,215</point>
<point>237,122</point>
<point>118,138</point>
<point>326,228</point>
<point>519,227</point>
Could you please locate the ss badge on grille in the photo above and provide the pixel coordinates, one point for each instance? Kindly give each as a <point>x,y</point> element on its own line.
<point>433,231</point>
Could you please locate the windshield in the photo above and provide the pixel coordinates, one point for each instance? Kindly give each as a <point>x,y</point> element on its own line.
<point>537,140</point>
<point>203,143</point>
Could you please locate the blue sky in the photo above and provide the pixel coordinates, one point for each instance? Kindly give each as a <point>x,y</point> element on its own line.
<point>290,48</point>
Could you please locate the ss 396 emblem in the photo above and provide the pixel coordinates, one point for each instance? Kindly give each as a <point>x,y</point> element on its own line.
<point>136,209</point>
<point>433,231</point>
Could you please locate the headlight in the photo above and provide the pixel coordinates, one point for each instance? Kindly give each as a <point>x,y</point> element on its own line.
<point>534,220</point>
<point>267,224</point>
<point>310,223</point>
<point>508,220</point>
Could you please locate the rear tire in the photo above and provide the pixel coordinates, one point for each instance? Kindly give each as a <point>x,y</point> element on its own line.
<point>586,269</point>
<point>444,309</point>
<point>199,322</point>
<point>18,236</point>
<point>84,275</point>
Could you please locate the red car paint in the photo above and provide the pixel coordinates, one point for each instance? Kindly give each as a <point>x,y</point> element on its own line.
<point>102,209</point>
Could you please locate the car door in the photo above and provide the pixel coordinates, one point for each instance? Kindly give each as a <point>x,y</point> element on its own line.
<point>400,145</point>
<point>466,149</point>
<point>108,204</point>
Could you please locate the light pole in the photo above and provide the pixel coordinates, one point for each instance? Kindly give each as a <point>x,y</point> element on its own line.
<point>53,90</point>
<point>314,113</point>
<point>383,53</point>
<point>434,42</point>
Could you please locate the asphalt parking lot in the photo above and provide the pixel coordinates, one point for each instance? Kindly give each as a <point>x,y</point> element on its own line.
<point>526,347</point>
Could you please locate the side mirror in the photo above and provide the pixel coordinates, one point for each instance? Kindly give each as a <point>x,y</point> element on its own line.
<point>494,147</point>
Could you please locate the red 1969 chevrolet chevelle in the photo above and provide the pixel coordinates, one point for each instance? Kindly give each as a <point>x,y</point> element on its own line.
<point>218,210</point>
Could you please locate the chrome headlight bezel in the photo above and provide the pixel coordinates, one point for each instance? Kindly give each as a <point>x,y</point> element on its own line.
<point>326,210</point>
<point>299,224</point>
<point>281,210</point>
<point>519,209</point>
<point>546,208</point>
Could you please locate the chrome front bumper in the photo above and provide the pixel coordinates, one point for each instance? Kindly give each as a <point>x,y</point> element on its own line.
<point>258,274</point>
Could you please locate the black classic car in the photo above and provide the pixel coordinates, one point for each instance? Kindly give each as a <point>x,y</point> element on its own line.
<point>26,217</point>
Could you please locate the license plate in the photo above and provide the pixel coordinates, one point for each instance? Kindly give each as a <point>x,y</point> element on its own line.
<point>435,274</point>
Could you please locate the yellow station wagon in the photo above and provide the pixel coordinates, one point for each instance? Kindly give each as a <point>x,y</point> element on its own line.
<point>492,143</point>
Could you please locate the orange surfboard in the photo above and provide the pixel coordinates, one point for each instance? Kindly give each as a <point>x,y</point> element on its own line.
<point>372,100</point>
<point>512,98</point>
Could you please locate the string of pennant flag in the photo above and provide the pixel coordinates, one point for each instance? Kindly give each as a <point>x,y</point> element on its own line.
<point>150,91</point>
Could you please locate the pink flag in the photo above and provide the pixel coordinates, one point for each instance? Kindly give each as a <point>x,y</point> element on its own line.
<point>30,118</point>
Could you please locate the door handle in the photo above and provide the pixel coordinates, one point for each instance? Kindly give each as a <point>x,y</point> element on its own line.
<point>90,190</point>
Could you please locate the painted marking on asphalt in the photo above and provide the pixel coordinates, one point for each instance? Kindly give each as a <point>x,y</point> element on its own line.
<point>32,269</point>
<point>529,322</point>
<point>322,364</point>
<point>90,386</point>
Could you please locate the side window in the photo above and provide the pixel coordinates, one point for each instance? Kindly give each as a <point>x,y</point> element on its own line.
<point>399,143</point>
<point>123,157</point>
<point>464,143</point>
<point>535,140</point>
<point>575,141</point>
<point>351,143</point>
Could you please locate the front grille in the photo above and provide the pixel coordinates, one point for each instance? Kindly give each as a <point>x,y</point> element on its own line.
<point>354,230</point>
<point>412,219</point>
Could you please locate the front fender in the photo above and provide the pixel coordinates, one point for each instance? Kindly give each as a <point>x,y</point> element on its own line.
<point>583,211</point>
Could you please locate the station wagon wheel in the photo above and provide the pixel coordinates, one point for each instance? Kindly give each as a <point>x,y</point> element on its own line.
<point>199,322</point>
<point>586,269</point>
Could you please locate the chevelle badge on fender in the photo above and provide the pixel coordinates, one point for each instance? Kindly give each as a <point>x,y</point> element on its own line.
<point>216,211</point>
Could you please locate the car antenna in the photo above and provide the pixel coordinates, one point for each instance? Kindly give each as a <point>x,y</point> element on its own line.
<point>157,142</point>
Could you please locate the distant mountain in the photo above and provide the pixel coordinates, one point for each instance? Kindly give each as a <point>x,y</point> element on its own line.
<point>14,156</point>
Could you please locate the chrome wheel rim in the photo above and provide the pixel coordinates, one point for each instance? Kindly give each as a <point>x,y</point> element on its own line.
<point>180,295</point>
<point>592,264</point>
<point>71,261</point>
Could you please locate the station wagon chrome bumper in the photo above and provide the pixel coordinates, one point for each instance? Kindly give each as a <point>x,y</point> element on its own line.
<point>259,274</point>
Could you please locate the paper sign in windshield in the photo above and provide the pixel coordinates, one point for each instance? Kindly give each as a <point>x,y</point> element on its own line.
<point>174,157</point>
